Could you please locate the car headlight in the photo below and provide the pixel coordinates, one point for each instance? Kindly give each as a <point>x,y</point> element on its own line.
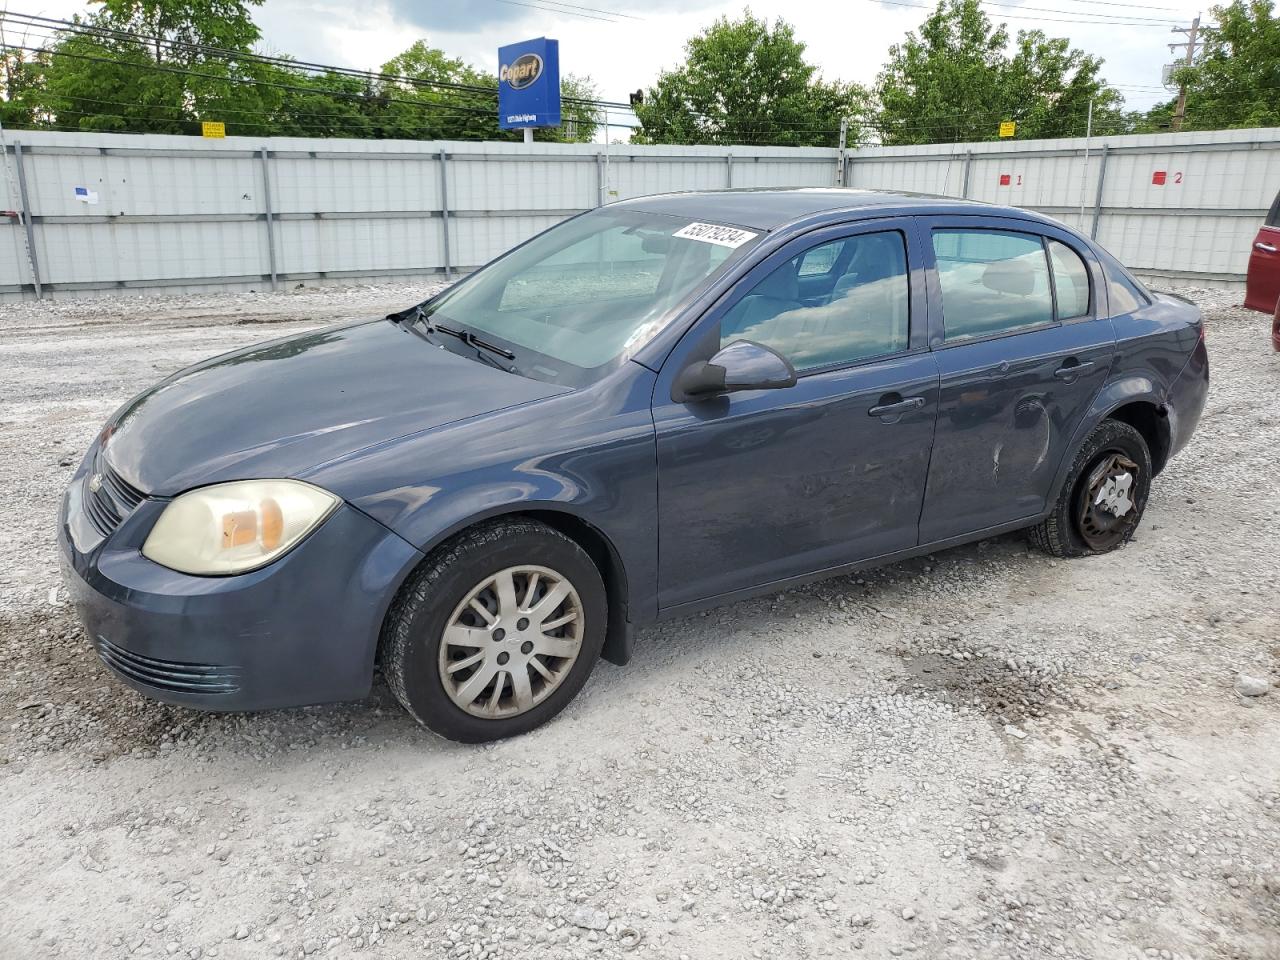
<point>236,527</point>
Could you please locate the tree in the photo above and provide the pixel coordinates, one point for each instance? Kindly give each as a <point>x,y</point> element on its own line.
<point>422,111</point>
<point>327,104</point>
<point>955,81</point>
<point>1235,79</point>
<point>20,82</point>
<point>579,120</point>
<point>743,82</point>
<point>146,66</point>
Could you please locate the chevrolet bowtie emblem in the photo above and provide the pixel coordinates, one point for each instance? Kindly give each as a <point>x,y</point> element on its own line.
<point>95,483</point>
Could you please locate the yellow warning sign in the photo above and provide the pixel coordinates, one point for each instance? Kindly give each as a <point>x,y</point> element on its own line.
<point>216,128</point>
<point>1008,128</point>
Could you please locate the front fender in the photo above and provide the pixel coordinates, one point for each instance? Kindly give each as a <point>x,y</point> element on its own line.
<point>587,455</point>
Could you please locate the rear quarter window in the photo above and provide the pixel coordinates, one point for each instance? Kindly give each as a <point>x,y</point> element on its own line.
<point>1126,295</point>
<point>1273,218</point>
<point>1071,281</point>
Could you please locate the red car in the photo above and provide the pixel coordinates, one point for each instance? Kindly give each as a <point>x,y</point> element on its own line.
<point>1262,286</point>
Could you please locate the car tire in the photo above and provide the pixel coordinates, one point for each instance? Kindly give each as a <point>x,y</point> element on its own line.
<point>1083,521</point>
<point>478,585</point>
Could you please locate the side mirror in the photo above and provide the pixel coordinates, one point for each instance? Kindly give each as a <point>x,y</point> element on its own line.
<point>742,365</point>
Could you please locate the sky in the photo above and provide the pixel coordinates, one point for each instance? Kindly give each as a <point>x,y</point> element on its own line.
<point>622,46</point>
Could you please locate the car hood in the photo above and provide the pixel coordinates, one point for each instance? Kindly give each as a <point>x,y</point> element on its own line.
<point>280,409</point>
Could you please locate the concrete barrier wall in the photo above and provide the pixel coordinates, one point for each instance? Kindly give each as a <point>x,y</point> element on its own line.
<point>109,213</point>
<point>1178,206</point>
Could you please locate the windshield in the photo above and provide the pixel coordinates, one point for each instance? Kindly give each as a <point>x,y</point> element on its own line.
<point>586,294</point>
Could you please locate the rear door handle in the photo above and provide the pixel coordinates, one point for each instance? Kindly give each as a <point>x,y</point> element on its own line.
<point>1069,371</point>
<point>1265,247</point>
<point>895,408</point>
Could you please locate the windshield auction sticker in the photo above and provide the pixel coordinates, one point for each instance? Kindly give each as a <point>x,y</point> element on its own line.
<point>715,233</point>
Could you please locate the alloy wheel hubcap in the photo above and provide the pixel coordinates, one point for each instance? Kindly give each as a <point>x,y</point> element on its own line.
<point>511,641</point>
<point>1108,509</point>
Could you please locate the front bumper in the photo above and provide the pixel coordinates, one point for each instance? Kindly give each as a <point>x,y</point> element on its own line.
<point>301,630</point>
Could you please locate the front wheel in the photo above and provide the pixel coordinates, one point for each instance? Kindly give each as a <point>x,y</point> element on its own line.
<point>1103,497</point>
<point>496,632</point>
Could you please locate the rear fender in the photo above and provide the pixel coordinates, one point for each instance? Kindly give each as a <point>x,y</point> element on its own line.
<point>1132,388</point>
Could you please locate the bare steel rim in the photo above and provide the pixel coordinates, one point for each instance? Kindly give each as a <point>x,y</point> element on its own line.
<point>511,641</point>
<point>1108,509</point>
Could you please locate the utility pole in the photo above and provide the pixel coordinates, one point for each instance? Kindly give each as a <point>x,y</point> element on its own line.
<point>1084,173</point>
<point>1192,32</point>
<point>844,136</point>
<point>24,211</point>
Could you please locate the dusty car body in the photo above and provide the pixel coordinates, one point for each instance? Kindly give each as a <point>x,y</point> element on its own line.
<point>847,379</point>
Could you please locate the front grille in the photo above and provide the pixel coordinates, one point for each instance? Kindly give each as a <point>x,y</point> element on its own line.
<point>114,499</point>
<point>169,674</point>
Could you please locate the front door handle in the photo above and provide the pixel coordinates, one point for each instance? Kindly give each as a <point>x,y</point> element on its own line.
<point>891,407</point>
<point>1265,247</point>
<point>1069,371</point>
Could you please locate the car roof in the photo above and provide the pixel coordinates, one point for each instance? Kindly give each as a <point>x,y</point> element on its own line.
<point>768,209</point>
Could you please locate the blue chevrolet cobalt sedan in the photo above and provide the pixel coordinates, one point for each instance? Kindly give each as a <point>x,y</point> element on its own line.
<point>657,406</point>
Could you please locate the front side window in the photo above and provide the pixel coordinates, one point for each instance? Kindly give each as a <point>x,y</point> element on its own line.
<point>992,282</point>
<point>590,291</point>
<point>1273,218</point>
<point>858,310</point>
<point>821,260</point>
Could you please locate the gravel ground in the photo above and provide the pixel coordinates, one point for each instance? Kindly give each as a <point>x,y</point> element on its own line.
<point>986,753</point>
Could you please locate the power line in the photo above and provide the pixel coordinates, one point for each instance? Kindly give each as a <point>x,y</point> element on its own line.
<point>1108,17</point>
<point>1133,6</point>
<point>84,29</point>
<point>310,90</point>
<point>770,132</point>
<point>571,10</point>
<point>342,94</point>
<point>578,6</point>
<point>777,129</point>
<point>1009,16</point>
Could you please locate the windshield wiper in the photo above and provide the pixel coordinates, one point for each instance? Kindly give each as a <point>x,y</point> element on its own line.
<point>471,340</point>
<point>483,348</point>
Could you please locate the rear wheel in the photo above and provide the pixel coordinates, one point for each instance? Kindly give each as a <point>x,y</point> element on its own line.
<point>496,631</point>
<point>1103,497</point>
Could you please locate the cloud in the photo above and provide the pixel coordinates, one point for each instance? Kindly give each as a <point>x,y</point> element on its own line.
<point>477,15</point>
<point>470,17</point>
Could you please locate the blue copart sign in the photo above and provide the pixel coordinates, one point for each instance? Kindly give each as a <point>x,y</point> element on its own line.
<point>529,84</point>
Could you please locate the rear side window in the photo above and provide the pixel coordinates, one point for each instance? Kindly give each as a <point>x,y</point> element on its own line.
<point>1273,218</point>
<point>1070,281</point>
<point>992,282</point>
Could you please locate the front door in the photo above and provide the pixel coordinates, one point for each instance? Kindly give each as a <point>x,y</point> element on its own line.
<point>1023,347</point>
<point>760,486</point>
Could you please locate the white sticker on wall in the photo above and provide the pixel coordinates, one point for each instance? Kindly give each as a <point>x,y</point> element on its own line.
<point>85,195</point>
<point>721,236</point>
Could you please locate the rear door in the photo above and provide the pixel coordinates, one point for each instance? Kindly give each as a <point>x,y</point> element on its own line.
<point>1262,288</point>
<point>1023,346</point>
